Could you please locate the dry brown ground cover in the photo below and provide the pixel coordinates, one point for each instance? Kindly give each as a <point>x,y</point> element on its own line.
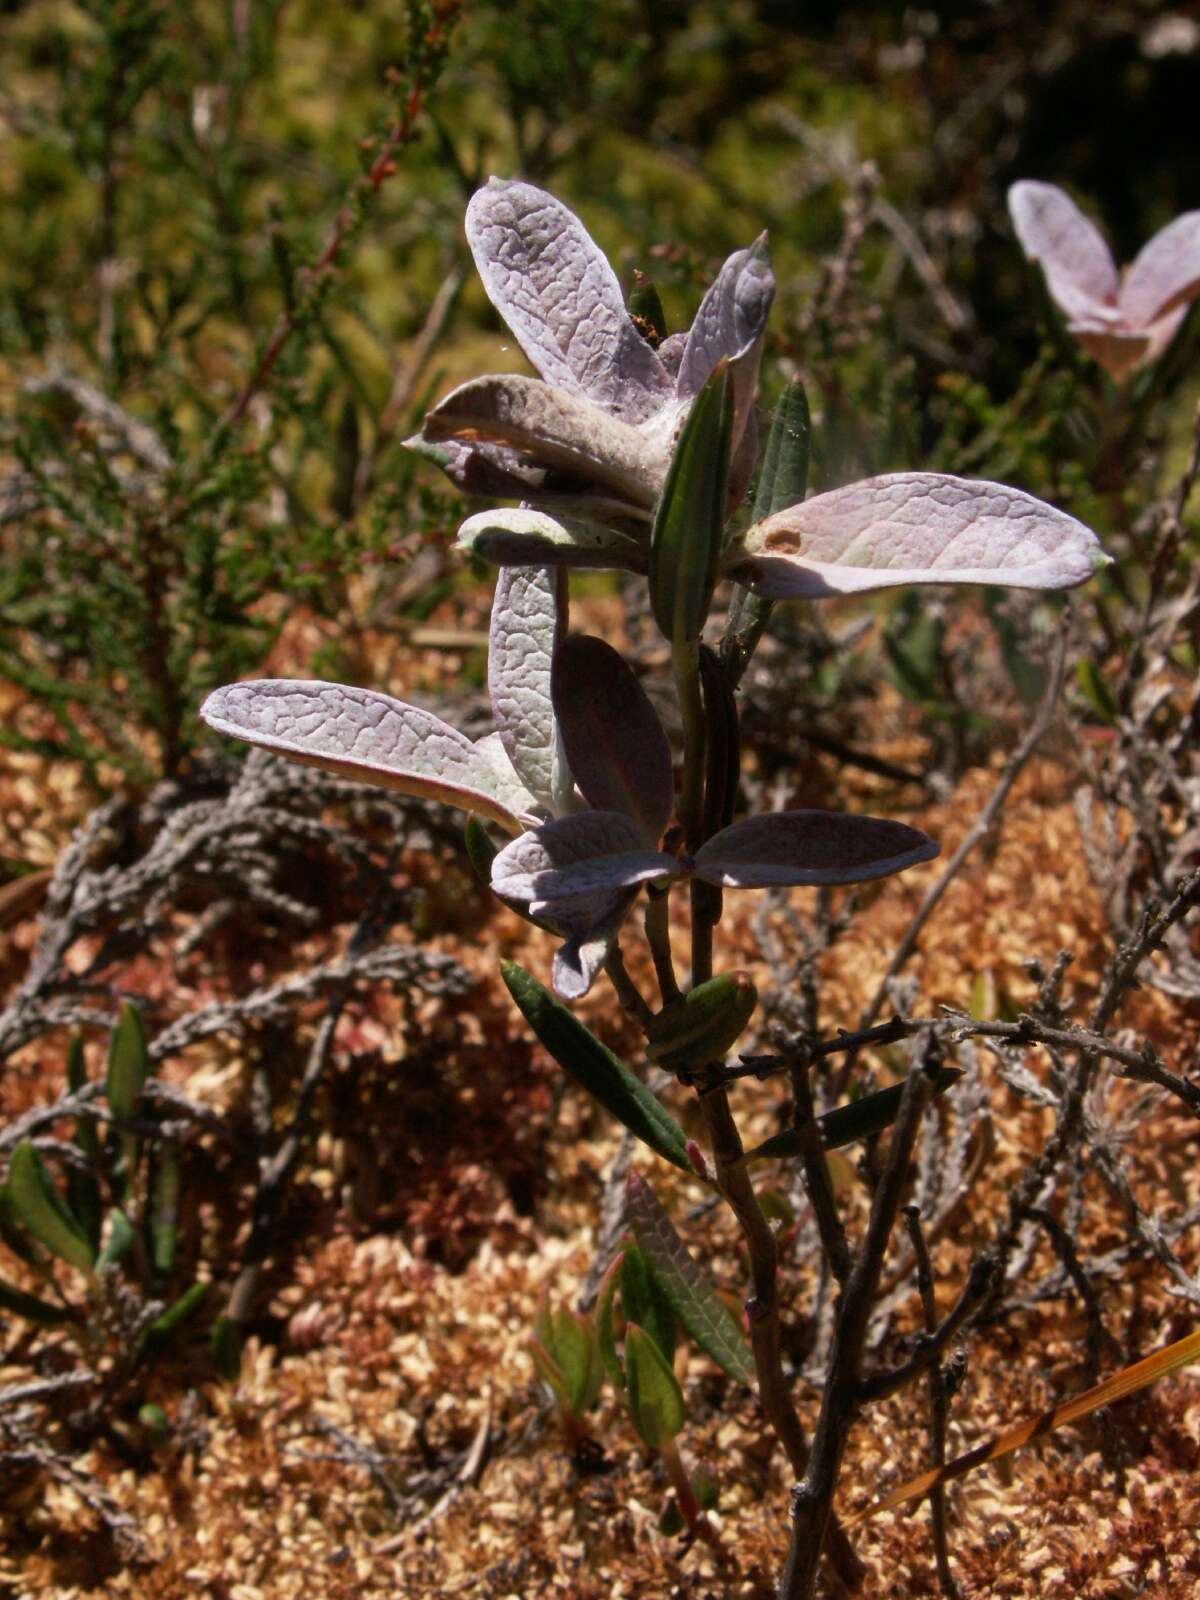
<point>391,1439</point>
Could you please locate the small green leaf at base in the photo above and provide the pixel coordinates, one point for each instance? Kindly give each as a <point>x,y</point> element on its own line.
<point>655,1399</point>
<point>692,1296</point>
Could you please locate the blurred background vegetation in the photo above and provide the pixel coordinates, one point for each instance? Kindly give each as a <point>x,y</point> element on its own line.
<point>232,273</point>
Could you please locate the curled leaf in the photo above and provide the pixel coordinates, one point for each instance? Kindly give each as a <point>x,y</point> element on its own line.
<point>578,857</point>
<point>553,429</point>
<point>523,537</point>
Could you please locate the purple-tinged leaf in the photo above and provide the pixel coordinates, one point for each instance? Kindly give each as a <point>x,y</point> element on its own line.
<point>555,430</point>
<point>615,744</point>
<point>481,469</point>
<point>730,325</point>
<point>358,733</point>
<point>558,294</point>
<point>1165,274</point>
<point>523,537</point>
<point>685,1284</point>
<point>574,858</point>
<point>529,617</point>
<point>1117,350</point>
<point>1070,249</point>
<point>915,527</point>
<point>790,847</point>
<point>588,928</point>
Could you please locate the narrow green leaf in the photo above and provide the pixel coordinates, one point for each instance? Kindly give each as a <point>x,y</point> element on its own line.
<point>481,852</point>
<point>164,1206</point>
<point>119,1241</point>
<point>645,1302</point>
<point>695,1301</point>
<point>179,1310</point>
<point>592,1064</point>
<point>689,520</point>
<point>83,1189</point>
<point>654,1397</point>
<point>13,1233</point>
<point>38,1204</point>
<point>128,1069</point>
<point>860,1119</point>
<point>225,1348</point>
<point>31,1306</point>
<point>783,477</point>
<point>128,1061</point>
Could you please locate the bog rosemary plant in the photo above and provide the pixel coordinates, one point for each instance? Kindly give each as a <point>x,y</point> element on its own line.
<point>634,450</point>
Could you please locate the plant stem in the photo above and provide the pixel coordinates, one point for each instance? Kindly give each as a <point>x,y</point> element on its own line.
<point>813,1508</point>
<point>690,1508</point>
<point>658,937</point>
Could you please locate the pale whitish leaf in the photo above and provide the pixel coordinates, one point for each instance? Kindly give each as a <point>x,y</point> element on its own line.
<point>359,733</point>
<point>730,325</point>
<point>589,928</point>
<point>614,741</point>
<point>693,1298</point>
<point>560,297</point>
<point>793,847</point>
<point>575,857</point>
<point>553,429</point>
<point>915,527</point>
<point>528,621</point>
<point>1070,249</point>
<point>527,538</point>
<point>508,788</point>
<point>1165,274</point>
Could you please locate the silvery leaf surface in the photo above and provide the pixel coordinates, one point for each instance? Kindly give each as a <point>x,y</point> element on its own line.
<point>361,734</point>
<point>1079,268</point>
<point>509,788</point>
<point>554,430</point>
<point>555,289</point>
<point>818,847</point>
<point>615,744</point>
<point>730,325</point>
<point>914,527</point>
<point>1165,274</point>
<point>483,469</point>
<point>526,537</point>
<point>577,857</point>
<point>589,928</point>
<point>529,617</point>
